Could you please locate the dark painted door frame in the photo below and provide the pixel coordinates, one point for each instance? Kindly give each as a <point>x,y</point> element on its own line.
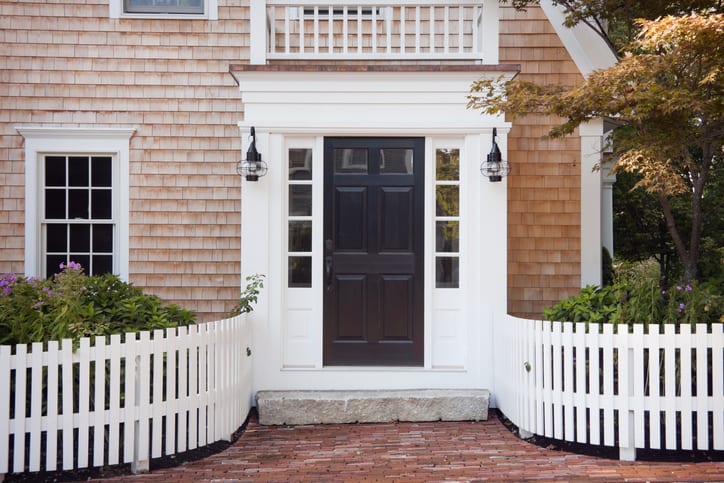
<point>373,253</point>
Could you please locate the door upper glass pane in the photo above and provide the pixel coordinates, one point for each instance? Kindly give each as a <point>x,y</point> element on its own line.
<point>350,161</point>
<point>300,164</point>
<point>396,161</point>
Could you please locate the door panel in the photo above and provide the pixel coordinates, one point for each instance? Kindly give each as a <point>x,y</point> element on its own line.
<point>373,230</point>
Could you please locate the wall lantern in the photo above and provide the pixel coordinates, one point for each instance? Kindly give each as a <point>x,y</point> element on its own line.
<point>494,167</point>
<point>252,167</point>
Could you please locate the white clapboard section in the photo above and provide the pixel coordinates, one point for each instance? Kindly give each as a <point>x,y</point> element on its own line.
<point>129,399</point>
<point>626,387</point>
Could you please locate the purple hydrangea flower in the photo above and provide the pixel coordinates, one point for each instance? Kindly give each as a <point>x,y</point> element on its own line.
<point>681,308</point>
<point>689,288</point>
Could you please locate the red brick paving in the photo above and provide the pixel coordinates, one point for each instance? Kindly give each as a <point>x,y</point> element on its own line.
<point>410,452</point>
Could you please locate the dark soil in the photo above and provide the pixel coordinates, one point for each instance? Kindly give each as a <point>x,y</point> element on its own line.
<point>610,452</point>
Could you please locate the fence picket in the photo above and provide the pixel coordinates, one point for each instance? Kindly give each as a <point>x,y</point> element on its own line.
<point>157,405</point>
<point>670,381</point>
<point>702,388</point>
<point>36,404</point>
<point>51,450</point>
<point>607,399</point>
<point>130,401</point>
<point>171,404</point>
<point>195,340</point>
<point>638,395</point>
<point>579,342</point>
<point>684,340</point>
<point>114,399</point>
<point>716,339</point>
<point>567,396</point>
<point>99,402</point>
<point>66,358</point>
<point>18,431</point>
<point>655,363</point>
<point>5,369</point>
<point>83,401</point>
<point>143,395</point>
<point>595,390</point>
<point>547,380</point>
<point>183,388</point>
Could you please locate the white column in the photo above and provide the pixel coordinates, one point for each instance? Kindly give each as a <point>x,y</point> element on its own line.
<point>489,30</point>
<point>257,32</point>
<point>591,147</point>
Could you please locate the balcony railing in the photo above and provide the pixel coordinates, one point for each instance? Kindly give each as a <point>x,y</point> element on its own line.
<point>366,30</point>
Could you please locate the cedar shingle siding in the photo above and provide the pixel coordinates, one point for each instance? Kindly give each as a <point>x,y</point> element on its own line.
<point>66,63</point>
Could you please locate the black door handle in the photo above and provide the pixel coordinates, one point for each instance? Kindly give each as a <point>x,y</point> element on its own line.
<point>328,270</point>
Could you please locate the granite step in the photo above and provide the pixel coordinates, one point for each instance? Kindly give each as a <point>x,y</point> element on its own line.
<point>381,406</point>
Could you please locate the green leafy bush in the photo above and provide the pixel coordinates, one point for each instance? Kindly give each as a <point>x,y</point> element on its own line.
<point>636,298</point>
<point>249,296</point>
<point>74,305</point>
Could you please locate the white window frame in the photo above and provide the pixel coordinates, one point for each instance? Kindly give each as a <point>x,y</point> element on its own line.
<point>211,12</point>
<point>41,141</point>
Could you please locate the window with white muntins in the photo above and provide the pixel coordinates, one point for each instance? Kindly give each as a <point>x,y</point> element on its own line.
<point>164,9</point>
<point>76,192</point>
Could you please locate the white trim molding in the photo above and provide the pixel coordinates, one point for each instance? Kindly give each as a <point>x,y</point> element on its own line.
<point>591,202</point>
<point>587,49</point>
<point>40,140</point>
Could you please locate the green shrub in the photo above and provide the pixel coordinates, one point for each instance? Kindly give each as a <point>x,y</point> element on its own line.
<point>636,298</point>
<point>74,305</point>
<point>249,296</point>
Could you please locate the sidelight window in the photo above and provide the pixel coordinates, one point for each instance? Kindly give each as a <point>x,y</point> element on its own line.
<point>447,218</point>
<point>300,218</point>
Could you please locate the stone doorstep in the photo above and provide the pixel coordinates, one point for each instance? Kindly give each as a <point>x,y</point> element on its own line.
<point>381,406</point>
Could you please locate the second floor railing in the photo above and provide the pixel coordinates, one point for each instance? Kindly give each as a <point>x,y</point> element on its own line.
<point>367,30</point>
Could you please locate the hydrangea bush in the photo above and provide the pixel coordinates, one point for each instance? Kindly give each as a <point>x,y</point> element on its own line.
<point>74,305</point>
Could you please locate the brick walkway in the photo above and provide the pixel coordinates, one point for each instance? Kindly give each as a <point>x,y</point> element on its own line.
<point>410,452</point>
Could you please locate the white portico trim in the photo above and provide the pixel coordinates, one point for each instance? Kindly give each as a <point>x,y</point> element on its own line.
<point>295,108</point>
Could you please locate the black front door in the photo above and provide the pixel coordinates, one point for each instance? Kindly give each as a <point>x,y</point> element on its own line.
<point>373,254</point>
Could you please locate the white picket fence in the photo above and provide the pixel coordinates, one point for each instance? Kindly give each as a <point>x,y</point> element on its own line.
<point>122,401</point>
<point>592,385</point>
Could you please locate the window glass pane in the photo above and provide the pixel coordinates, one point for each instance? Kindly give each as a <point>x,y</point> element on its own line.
<point>52,264</point>
<point>300,236</point>
<point>79,238</point>
<point>447,272</point>
<point>101,204</point>
<point>396,161</point>
<point>78,204</point>
<point>103,238</point>
<point>78,174</point>
<point>447,235</point>
<point>55,171</point>
<point>447,201</point>
<point>56,238</point>
<point>300,271</point>
<point>447,164</point>
<point>82,259</point>
<point>300,200</point>
<point>101,171</point>
<point>55,204</point>
<point>300,164</point>
<point>102,264</point>
<point>350,160</point>
<point>163,6</point>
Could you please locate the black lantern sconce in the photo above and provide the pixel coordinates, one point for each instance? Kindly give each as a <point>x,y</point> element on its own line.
<point>494,167</point>
<point>252,167</point>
